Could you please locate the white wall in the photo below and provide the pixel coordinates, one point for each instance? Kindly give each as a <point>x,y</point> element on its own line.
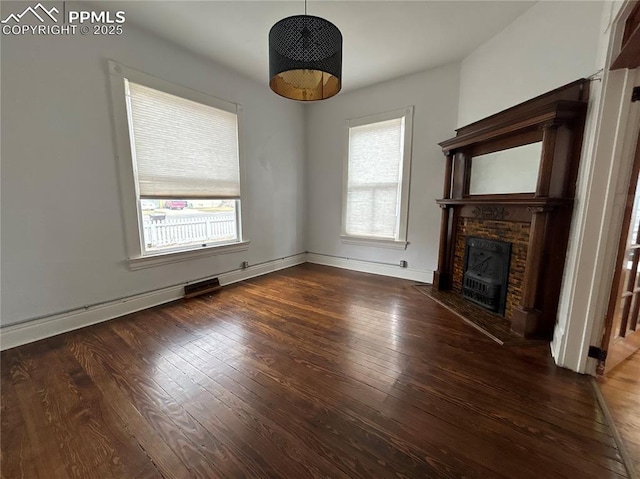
<point>62,228</point>
<point>435,96</point>
<point>551,44</point>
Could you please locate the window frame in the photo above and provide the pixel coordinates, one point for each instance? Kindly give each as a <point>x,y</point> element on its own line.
<point>405,181</point>
<point>137,257</point>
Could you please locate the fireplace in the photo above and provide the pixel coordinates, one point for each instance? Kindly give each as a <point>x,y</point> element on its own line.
<point>486,273</point>
<point>533,218</point>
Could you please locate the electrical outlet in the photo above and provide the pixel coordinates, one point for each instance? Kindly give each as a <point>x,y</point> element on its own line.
<point>403,264</point>
<point>244,265</point>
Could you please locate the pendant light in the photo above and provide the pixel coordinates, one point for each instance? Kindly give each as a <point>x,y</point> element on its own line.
<point>305,58</point>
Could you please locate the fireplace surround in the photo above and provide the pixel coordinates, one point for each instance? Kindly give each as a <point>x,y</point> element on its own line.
<point>535,223</point>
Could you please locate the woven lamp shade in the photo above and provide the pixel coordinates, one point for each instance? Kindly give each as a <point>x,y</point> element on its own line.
<point>305,58</point>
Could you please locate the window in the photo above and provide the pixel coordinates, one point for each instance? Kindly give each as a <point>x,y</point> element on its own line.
<point>376,185</point>
<point>180,162</point>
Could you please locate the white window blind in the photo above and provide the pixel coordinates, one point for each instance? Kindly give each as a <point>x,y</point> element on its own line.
<point>183,149</point>
<point>374,179</point>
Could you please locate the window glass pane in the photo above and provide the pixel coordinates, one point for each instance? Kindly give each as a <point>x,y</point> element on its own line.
<point>374,179</point>
<point>372,211</point>
<point>177,224</point>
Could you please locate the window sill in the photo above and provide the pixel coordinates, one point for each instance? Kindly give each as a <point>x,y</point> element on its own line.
<point>376,242</point>
<point>178,256</point>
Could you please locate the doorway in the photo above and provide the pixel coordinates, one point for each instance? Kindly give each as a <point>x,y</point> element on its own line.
<point>622,330</point>
<point>619,366</point>
<point>619,371</point>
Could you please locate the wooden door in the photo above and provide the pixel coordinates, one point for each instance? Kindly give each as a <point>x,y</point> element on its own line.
<point>622,331</point>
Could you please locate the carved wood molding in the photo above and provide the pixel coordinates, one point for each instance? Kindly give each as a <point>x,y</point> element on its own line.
<point>490,212</point>
<point>539,209</point>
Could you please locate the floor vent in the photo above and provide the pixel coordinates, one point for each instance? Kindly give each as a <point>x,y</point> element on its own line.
<point>203,287</point>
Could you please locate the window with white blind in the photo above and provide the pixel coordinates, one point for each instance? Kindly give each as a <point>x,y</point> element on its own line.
<point>376,184</point>
<point>180,151</point>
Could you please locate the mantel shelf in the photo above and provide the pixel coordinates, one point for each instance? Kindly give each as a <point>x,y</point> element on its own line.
<point>506,200</point>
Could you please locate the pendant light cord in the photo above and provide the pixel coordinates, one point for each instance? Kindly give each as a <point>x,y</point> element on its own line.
<point>305,7</point>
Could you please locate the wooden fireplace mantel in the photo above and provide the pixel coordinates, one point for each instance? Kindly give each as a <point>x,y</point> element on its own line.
<point>555,119</point>
<point>506,200</point>
<point>514,120</point>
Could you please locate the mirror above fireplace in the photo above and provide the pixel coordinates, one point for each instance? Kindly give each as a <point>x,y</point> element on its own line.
<point>514,170</point>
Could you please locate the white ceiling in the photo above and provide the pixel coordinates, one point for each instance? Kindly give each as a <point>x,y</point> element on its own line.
<point>382,39</point>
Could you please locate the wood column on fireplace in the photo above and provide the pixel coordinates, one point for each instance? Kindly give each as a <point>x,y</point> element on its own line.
<point>526,316</point>
<point>556,120</point>
<point>442,277</point>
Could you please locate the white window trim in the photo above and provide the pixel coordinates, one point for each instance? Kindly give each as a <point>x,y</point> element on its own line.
<point>149,261</point>
<point>132,215</point>
<point>394,243</point>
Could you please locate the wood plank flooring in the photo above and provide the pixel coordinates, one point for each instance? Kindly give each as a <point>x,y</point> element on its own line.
<point>621,391</point>
<point>305,373</point>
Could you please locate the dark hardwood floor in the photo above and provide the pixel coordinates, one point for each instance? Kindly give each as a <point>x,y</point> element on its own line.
<point>308,372</point>
<point>621,391</point>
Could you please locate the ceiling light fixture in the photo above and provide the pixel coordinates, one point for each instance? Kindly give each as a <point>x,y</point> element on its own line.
<point>305,58</point>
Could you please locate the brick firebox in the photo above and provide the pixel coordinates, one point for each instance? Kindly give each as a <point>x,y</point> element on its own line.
<point>516,233</point>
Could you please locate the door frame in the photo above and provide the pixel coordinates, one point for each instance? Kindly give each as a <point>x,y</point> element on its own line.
<point>596,224</point>
<point>608,334</point>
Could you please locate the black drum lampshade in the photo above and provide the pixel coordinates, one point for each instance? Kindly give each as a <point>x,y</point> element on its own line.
<point>305,58</point>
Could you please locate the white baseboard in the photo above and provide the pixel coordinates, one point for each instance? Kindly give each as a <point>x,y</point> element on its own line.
<point>260,269</point>
<point>28,332</point>
<point>556,345</point>
<point>374,268</point>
